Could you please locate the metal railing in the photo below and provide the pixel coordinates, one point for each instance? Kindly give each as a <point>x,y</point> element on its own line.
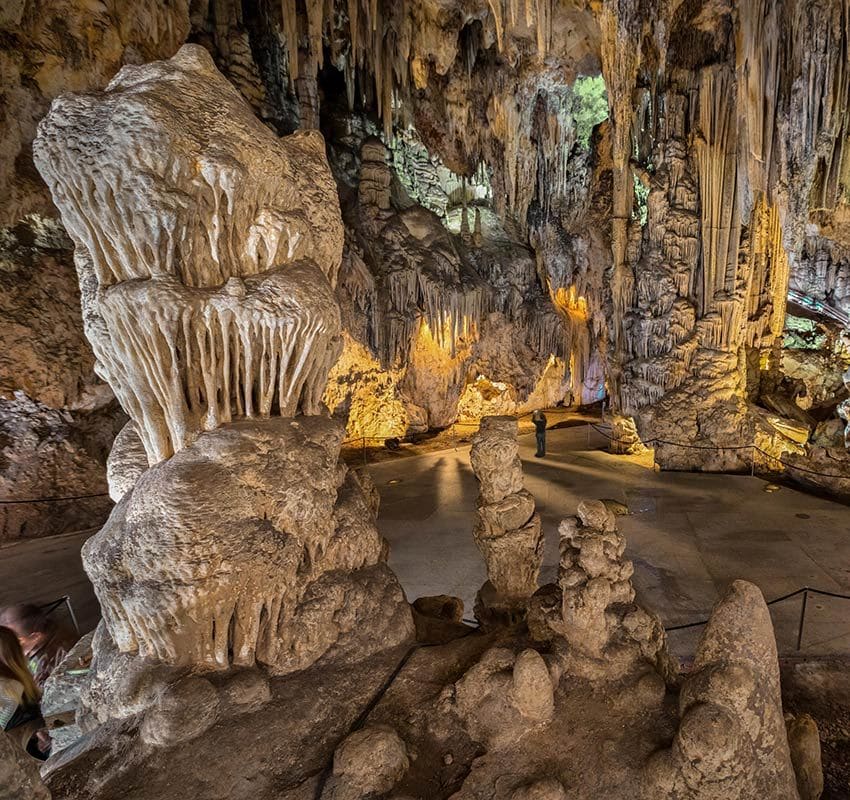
<point>805,591</point>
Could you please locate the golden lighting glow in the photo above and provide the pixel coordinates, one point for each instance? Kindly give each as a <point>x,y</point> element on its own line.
<point>448,335</point>
<point>571,303</point>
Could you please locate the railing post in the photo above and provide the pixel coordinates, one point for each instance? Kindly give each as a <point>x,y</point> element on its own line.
<point>802,618</point>
<point>753,461</point>
<point>71,613</point>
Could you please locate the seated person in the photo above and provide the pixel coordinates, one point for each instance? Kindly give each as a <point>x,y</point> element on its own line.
<point>19,696</point>
<point>44,643</point>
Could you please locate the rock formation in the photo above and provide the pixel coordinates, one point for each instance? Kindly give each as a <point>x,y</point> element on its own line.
<point>252,574</point>
<point>207,294</point>
<point>208,298</point>
<point>19,778</point>
<point>592,607</point>
<point>508,532</point>
<point>57,418</point>
<point>731,740</point>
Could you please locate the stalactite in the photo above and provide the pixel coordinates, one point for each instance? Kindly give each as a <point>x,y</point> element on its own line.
<point>619,22</point>
<point>290,33</point>
<point>716,157</point>
<point>757,49</point>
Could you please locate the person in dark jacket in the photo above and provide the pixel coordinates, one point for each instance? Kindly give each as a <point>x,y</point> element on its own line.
<point>539,420</point>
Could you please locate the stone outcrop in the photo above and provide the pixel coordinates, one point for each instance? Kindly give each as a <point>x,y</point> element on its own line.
<point>254,572</point>
<point>731,739</point>
<point>592,607</point>
<point>804,745</point>
<point>367,763</point>
<point>207,251</point>
<point>508,531</point>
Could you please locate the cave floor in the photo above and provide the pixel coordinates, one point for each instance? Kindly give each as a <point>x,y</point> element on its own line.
<point>688,534</point>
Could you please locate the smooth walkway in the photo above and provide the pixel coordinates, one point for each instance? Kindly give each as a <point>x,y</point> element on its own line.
<point>689,534</point>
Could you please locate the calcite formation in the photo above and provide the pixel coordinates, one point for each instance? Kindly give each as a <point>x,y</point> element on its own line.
<point>508,531</point>
<point>19,778</point>
<point>207,248</point>
<point>731,740</point>
<point>592,607</point>
<point>234,550</point>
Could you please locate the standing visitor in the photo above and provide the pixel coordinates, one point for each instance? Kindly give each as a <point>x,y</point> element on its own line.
<point>539,420</point>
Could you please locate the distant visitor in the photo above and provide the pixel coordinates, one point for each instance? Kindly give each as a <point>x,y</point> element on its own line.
<point>539,420</point>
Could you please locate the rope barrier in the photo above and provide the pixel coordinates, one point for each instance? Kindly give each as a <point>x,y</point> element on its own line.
<point>362,440</point>
<point>52,499</point>
<point>805,591</point>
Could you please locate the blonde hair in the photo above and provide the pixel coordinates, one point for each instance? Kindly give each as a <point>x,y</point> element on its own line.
<point>13,665</point>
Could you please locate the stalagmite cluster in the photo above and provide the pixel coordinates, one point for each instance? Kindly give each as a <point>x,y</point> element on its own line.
<point>510,205</point>
<point>508,532</point>
<point>592,607</point>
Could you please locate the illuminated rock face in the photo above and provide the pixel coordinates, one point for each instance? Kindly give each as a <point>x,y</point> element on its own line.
<point>207,248</point>
<point>253,545</point>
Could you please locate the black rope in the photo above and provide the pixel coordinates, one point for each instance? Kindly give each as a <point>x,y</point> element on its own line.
<point>784,597</point>
<point>53,499</point>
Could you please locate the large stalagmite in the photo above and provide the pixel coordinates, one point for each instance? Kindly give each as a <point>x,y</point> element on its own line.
<point>207,250</point>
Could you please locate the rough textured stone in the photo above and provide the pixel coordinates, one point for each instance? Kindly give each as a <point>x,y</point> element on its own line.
<point>367,763</point>
<point>60,699</point>
<point>546,789</point>
<point>181,712</point>
<point>731,738</point>
<point>532,686</point>
<point>508,531</point>
<point>233,276</point>
<point>19,778</point>
<point>276,565</point>
<point>804,744</point>
<point>126,462</point>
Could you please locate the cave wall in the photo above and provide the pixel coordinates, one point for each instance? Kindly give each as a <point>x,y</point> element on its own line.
<point>566,200</point>
<point>57,418</point>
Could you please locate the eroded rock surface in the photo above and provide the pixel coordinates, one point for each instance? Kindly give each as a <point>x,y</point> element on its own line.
<point>731,738</point>
<point>198,232</point>
<point>508,532</point>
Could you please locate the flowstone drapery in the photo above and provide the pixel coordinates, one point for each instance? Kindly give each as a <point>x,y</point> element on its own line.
<point>207,248</point>
<point>207,251</point>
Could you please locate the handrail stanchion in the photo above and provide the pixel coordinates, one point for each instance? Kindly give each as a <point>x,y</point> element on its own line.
<point>802,618</point>
<point>753,461</point>
<point>71,614</point>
